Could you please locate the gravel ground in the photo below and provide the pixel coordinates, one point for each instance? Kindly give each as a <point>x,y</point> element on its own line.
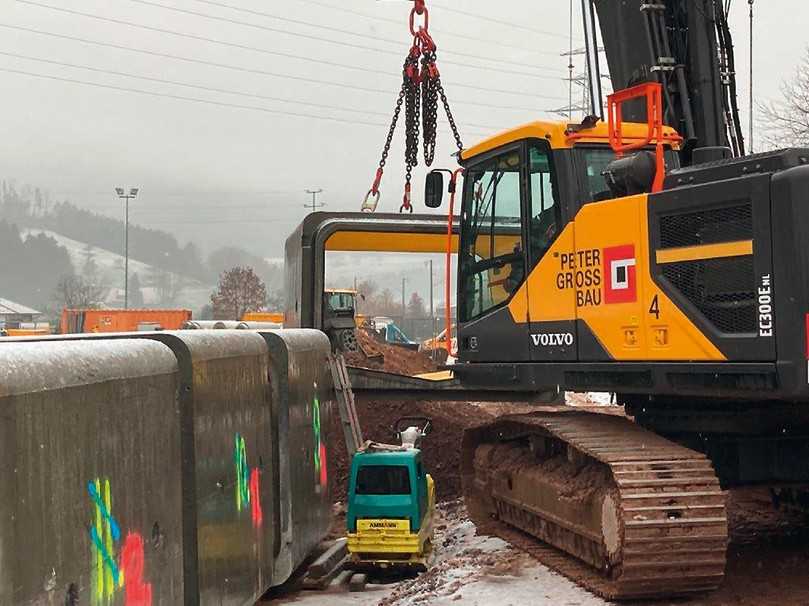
<point>469,570</point>
<point>765,568</point>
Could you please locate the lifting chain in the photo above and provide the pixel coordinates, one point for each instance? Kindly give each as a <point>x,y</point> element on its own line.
<point>421,89</point>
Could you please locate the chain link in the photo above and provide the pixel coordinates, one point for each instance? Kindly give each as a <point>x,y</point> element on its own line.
<point>419,95</point>
<point>429,100</point>
<point>412,117</point>
<point>450,117</point>
<point>392,130</point>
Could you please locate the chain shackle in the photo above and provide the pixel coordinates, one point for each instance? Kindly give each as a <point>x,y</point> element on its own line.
<point>371,201</point>
<point>406,205</point>
<point>424,14</point>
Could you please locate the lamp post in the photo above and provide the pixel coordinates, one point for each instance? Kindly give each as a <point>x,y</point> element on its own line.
<point>123,195</point>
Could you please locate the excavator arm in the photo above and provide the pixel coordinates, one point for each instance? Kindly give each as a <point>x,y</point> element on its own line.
<point>685,45</point>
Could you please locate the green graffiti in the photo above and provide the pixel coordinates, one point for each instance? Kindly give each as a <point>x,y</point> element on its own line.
<point>316,427</point>
<point>242,473</point>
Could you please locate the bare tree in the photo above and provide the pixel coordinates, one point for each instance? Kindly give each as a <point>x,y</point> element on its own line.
<point>416,307</point>
<point>75,292</point>
<point>383,304</point>
<point>240,290</point>
<point>787,118</point>
<point>366,291</point>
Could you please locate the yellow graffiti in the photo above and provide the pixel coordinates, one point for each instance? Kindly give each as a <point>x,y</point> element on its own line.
<point>98,553</point>
<point>104,533</point>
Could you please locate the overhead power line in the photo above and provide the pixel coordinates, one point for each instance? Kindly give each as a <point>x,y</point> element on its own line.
<point>188,85</point>
<point>284,76</point>
<point>276,30</point>
<point>208,88</point>
<point>281,31</point>
<point>192,99</point>
<point>398,22</point>
<point>491,19</point>
<point>245,47</point>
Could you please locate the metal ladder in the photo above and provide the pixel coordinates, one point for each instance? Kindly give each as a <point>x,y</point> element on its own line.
<point>345,402</point>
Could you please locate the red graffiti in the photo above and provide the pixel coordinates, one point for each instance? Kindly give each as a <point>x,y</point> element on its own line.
<point>324,476</point>
<point>255,498</point>
<point>138,593</point>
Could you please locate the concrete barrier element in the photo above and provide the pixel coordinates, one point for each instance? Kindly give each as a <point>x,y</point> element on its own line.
<point>213,324</point>
<point>302,397</point>
<point>245,449</point>
<point>90,470</point>
<point>260,326</point>
<point>228,451</point>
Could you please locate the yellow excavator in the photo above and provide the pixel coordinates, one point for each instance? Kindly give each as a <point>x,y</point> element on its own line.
<point>655,262</point>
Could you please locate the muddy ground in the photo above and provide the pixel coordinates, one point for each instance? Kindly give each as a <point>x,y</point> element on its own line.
<point>472,570</point>
<point>768,558</point>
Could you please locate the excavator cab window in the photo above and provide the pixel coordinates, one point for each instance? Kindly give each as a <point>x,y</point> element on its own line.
<point>492,262</point>
<point>544,223</point>
<point>593,162</point>
<point>340,301</point>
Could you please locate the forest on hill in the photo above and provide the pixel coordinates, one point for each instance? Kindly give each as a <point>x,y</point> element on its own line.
<point>33,264</point>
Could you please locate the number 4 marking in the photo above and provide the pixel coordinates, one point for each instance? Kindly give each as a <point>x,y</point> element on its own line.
<point>654,308</point>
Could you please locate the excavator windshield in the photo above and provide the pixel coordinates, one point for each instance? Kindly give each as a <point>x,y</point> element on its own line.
<point>491,257</point>
<point>340,301</point>
<point>498,192</point>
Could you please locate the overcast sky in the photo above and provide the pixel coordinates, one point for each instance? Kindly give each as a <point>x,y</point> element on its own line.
<point>220,174</point>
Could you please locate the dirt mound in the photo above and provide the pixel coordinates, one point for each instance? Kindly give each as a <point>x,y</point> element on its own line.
<point>441,449</point>
<point>376,355</point>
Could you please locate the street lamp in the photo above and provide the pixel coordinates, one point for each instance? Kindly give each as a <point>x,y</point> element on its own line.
<point>133,193</point>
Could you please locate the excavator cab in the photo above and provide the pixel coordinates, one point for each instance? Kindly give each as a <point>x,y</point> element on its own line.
<point>520,280</point>
<point>339,323</point>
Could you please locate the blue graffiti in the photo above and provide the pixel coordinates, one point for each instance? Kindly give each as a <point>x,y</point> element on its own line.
<point>115,531</point>
<point>104,533</point>
<point>108,559</point>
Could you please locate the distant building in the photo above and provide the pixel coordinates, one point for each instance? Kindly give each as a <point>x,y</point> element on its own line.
<point>13,315</point>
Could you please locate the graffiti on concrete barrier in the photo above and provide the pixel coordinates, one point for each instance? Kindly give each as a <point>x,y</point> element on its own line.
<point>137,592</point>
<point>248,483</point>
<point>321,476</point>
<point>242,473</point>
<point>111,573</point>
<point>255,497</point>
<point>104,534</point>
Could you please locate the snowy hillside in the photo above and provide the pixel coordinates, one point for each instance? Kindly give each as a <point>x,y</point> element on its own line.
<point>193,294</point>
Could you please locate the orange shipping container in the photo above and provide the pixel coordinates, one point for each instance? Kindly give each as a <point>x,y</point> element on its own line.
<point>27,332</point>
<point>122,320</point>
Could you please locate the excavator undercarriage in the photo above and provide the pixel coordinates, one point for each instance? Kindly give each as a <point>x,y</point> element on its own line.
<point>635,515</point>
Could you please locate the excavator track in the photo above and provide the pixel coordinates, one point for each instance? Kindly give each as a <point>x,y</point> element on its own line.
<point>620,510</point>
